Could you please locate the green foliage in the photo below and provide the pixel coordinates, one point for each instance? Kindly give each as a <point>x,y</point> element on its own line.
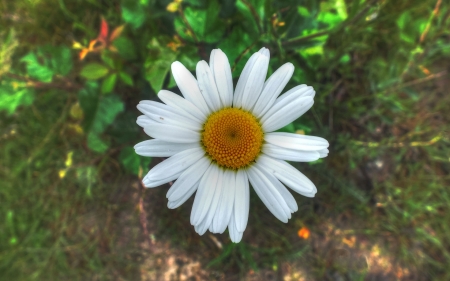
<point>94,71</point>
<point>14,94</point>
<point>99,112</point>
<point>126,48</point>
<point>410,29</point>
<point>48,61</point>
<point>158,63</point>
<point>332,14</point>
<point>126,78</point>
<point>204,22</point>
<point>253,24</point>
<point>108,83</point>
<point>132,162</point>
<point>134,12</point>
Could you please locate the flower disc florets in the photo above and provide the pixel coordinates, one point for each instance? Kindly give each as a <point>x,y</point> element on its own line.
<point>232,137</point>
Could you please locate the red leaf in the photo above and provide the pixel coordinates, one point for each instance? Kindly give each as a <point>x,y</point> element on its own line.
<point>103,35</point>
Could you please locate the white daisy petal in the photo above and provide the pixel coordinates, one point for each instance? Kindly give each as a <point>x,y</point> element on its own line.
<point>221,70</point>
<point>287,196</point>
<point>302,90</point>
<point>288,175</point>
<point>181,105</point>
<point>165,114</point>
<point>272,89</point>
<point>268,194</point>
<point>202,227</point>
<point>171,133</point>
<point>296,141</point>
<point>284,112</point>
<point>293,94</point>
<point>154,107</point>
<point>289,154</point>
<point>144,121</point>
<point>264,51</point>
<point>160,148</point>
<point>205,194</point>
<point>226,204</point>
<point>235,234</point>
<point>188,86</point>
<point>160,181</point>
<point>208,86</point>
<point>177,203</point>
<point>240,86</point>
<point>241,200</point>
<point>215,201</point>
<point>255,82</point>
<point>187,179</point>
<point>172,166</point>
<point>323,152</point>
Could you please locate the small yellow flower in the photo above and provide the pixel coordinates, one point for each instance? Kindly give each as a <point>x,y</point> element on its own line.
<point>62,173</point>
<point>173,6</point>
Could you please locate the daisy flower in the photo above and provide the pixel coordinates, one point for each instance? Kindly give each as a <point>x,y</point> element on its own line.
<point>220,141</point>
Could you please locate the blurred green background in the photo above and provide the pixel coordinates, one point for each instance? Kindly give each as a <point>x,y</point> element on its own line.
<point>71,203</point>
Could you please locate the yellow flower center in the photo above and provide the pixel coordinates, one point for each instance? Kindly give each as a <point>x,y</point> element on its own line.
<point>232,137</point>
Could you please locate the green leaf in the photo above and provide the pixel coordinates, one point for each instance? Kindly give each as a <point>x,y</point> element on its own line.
<point>341,9</point>
<point>37,70</point>
<point>126,78</point>
<point>315,50</point>
<point>14,94</point>
<point>345,58</point>
<point>204,23</point>
<point>47,61</point>
<point>124,129</point>
<point>94,71</point>
<point>249,22</point>
<point>107,110</point>
<point>108,83</point>
<point>99,113</point>
<point>88,99</point>
<point>61,59</point>
<point>332,13</point>
<point>108,60</point>
<point>132,162</point>
<point>95,143</point>
<point>125,47</point>
<point>158,63</point>
<point>134,13</point>
<point>402,21</point>
<point>303,11</point>
<point>156,74</point>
